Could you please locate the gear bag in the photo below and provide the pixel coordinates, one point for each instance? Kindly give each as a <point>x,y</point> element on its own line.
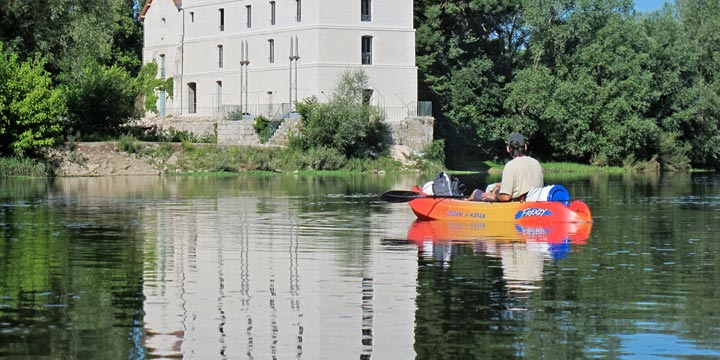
<point>443,185</point>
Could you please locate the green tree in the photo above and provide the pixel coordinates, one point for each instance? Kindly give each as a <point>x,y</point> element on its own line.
<point>30,109</point>
<point>699,118</point>
<point>466,51</point>
<point>589,86</point>
<point>92,48</point>
<point>101,100</point>
<point>346,123</point>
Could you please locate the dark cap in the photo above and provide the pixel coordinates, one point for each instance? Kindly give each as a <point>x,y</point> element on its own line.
<point>516,140</point>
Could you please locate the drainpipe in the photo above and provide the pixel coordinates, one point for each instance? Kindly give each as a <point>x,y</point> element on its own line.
<point>178,5</point>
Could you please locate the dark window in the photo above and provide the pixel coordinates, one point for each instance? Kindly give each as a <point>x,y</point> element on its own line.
<point>219,95</point>
<point>222,19</point>
<point>162,66</point>
<point>271,45</point>
<point>192,17</point>
<point>192,98</point>
<point>272,13</point>
<point>298,16</point>
<point>367,50</point>
<point>249,16</point>
<point>220,56</point>
<point>365,14</point>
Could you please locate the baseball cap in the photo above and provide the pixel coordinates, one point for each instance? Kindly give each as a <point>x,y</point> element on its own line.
<point>516,140</point>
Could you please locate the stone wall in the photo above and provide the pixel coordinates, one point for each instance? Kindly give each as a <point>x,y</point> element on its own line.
<point>413,132</point>
<point>199,126</point>
<point>236,132</point>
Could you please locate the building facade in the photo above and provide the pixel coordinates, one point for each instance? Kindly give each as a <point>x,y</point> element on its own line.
<point>261,57</point>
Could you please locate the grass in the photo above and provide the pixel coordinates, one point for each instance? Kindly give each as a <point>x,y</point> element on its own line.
<point>25,167</point>
<point>563,167</point>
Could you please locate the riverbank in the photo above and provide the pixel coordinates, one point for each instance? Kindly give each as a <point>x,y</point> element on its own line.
<point>128,157</point>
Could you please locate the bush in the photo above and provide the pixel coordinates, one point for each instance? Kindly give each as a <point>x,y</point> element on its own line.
<point>129,144</point>
<point>30,110</point>
<point>324,158</point>
<point>346,123</point>
<point>101,99</point>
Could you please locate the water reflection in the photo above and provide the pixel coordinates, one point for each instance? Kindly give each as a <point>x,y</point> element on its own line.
<point>522,249</point>
<point>230,279</point>
<point>293,267</point>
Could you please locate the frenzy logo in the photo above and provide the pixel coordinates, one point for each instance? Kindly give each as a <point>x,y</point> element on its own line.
<point>532,212</point>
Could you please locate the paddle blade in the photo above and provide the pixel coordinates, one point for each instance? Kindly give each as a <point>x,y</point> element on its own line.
<point>400,196</point>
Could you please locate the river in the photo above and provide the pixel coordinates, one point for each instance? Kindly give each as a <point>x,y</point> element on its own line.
<point>290,266</point>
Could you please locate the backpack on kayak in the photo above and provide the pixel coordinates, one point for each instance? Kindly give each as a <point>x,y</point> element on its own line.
<point>443,185</point>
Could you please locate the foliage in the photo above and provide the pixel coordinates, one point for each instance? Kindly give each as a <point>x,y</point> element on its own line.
<point>129,144</point>
<point>101,100</point>
<point>587,80</point>
<point>30,109</point>
<point>466,51</point>
<point>153,87</point>
<point>345,123</point>
<point>73,34</point>
<point>93,49</point>
<point>261,126</point>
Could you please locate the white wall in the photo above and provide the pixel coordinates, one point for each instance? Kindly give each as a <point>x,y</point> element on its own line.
<point>329,37</point>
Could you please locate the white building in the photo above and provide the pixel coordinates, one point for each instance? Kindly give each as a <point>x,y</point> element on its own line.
<point>263,56</point>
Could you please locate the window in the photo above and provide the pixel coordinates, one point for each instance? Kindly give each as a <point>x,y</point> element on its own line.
<point>162,66</point>
<point>298,16</point>
<point>222,19</point>
<point>249,15</point>
<point>271,45</point>
<point>192,16</point>
<point>367,50</point>
<point>220,56</point>
<point>192,98</point>
<point>365,10</point>
<point>218,85</point>
<point>272,13</point>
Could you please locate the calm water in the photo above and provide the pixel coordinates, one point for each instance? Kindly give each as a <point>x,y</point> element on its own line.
<point>318,268</point>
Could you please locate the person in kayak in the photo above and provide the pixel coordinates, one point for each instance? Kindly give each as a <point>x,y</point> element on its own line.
<point>522,174</point>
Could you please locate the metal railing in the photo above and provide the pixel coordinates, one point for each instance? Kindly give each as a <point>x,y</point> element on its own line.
<point>276,112</point>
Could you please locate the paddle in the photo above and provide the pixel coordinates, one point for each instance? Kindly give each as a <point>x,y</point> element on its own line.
<point>401,196</point>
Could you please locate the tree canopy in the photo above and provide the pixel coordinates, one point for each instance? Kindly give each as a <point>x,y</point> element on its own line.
<point>587,80</point>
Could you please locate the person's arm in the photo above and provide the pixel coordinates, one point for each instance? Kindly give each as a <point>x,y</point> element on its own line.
<point>496,196</point>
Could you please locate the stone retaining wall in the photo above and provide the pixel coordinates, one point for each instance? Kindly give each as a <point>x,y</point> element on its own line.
<point>413,133</point>
<point>239,132</point>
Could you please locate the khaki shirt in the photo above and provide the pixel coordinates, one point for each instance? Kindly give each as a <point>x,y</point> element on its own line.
<point>521,175</point>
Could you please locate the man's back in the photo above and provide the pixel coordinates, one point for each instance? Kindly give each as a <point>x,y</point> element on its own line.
<point>521,175</point>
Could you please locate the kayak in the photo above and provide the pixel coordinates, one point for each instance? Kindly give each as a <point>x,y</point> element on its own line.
<point>429,207</point>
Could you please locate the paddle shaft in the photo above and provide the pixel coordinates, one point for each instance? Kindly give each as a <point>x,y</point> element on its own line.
<point>401,196</point>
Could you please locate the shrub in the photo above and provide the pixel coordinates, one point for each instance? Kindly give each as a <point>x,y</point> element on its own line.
<point>129,144</point>
<point>30,110</point>
<point>346,123</point>
<point>323,158</point>
<point>101,99</point>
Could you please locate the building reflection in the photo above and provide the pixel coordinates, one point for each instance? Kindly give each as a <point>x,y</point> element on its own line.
<point>251,277</point>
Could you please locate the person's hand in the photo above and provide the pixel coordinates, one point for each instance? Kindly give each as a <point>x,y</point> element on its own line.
<point>489,196</point>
